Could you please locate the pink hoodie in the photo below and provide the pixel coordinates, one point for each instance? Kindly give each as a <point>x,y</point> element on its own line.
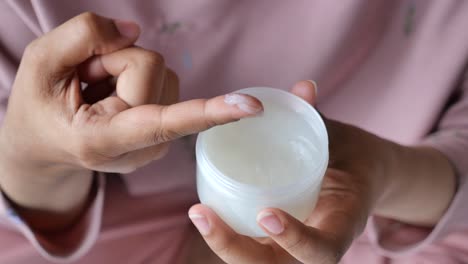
<point>395,68</point>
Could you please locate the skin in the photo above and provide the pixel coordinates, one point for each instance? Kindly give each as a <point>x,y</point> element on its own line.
<point>54,135</point>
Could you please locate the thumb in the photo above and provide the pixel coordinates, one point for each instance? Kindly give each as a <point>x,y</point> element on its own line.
<point>307,90</point>
<point>304,243</point>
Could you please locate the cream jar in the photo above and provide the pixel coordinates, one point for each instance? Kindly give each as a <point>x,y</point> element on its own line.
<point>277,159</point>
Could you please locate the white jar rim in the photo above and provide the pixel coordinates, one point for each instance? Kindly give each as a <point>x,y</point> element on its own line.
<point>242,190</point>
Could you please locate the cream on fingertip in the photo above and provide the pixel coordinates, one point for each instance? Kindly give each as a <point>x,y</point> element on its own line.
<point>243,102</point>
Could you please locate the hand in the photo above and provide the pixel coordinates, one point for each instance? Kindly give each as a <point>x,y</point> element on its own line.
<point>365,175</point>
<point>339,216</point>
<point>54,134</point>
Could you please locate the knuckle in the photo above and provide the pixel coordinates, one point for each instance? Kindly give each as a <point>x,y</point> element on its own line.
<point>223,245</point>
<point>87,18</point>
<point>35,51</point>
<point>209,120</point>
<point>155,58</point>
<point>151,59</point>
<point>145,59</point>
<point>163,134</point>
<point>84,153</point>
<point>296,242</point>
<point>98,32</point>
<point>32,47</point>
<point>87,25</point>
<point>36,56</point>
<point>87,154</point>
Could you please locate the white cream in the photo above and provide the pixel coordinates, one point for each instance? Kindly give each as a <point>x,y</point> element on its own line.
<point>274,160</point>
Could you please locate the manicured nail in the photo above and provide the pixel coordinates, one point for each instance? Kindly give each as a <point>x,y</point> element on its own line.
<point>201,223</point>
<point>127,28</point>
<point>244,103</point>
<point>315,86</point>
<point>270,222</point>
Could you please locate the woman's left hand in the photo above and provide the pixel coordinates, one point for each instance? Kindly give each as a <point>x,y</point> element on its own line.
<point>351,186</point>
<point>366,174</point>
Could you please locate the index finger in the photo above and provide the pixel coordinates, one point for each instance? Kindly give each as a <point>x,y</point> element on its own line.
<point>148,125</point>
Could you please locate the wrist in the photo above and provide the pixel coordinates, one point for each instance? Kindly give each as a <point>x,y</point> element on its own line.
<point>388,187</point>
<point>421,186</point>
<point>41,185</point>
<point>47,202</point>
<point>37,189</point>
<point>354,150</point>
<point>381,157</point>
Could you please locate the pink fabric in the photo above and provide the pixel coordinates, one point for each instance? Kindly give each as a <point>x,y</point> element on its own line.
<point>395,68</point>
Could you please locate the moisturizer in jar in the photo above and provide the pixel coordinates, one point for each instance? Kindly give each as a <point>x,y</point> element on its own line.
<point>275,160</point>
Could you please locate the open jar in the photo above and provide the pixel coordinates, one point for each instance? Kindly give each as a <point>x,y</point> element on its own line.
<point>274,160</point>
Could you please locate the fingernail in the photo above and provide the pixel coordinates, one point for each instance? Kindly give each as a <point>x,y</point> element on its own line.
<point>243,102</point>
<point>127,28</point>
<point>270,222</point>
<point>314,83</point>
<point>201,223</point>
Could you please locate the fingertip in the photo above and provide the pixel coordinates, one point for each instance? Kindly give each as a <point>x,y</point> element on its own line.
<point>307,90</point>
<point>315,85</point>
<point>230,246</point>
<point>247,104</point>
<point>92,70</point>
<point>128,29</point>
<point>198,209</point>
<point>270,222</point>
<point>198,216</point>
<point>207,221</point>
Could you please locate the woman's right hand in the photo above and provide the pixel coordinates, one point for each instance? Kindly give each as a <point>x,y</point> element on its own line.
<point>54,133</point>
